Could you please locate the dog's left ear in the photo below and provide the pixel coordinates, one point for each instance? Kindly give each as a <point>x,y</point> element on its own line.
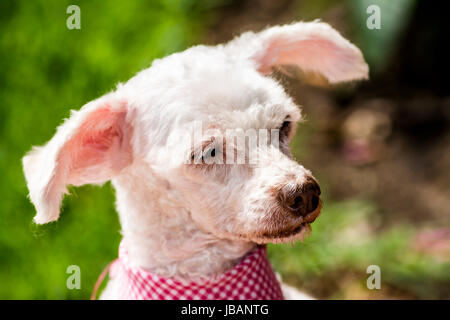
<point>312,46</point>
<point>92,146</point>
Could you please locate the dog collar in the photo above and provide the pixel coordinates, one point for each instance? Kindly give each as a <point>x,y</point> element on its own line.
<point>251,279</point>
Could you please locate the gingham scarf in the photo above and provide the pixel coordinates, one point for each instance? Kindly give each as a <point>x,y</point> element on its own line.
<point>251,279</point>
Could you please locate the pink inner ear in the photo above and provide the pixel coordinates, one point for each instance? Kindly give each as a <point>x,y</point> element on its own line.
<point>311,54</point>
<point>99,149</point>
<point>321,55</point>
<point>96,136</point>
<point>91,147</point>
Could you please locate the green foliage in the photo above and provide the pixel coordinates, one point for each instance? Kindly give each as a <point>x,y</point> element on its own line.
<point>346,239</point>
<point>379,44</point>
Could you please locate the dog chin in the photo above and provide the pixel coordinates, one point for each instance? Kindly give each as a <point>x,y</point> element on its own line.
<point>291,234</point>
<point>299,233</point>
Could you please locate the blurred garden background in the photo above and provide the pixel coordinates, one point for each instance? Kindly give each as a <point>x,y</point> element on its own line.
<point>380,149</point>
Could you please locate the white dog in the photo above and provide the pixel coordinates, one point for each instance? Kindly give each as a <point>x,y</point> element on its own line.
<point>184,221</point>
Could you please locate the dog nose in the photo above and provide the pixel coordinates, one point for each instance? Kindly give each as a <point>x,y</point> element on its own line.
<point>301,199</point>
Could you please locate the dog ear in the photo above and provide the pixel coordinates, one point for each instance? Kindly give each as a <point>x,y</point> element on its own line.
<point>314,47</point>
<point>92,146</point>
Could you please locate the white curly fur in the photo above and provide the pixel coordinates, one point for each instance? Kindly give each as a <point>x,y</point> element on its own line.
<point>181,220</point>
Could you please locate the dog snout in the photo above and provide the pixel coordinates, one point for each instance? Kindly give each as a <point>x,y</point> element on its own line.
<point>301,199</point>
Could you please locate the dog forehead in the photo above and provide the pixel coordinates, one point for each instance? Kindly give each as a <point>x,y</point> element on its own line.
<point>231,94</point>
<point>204,84</point>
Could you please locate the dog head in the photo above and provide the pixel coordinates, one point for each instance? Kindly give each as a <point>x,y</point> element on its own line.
<point>213,125</point>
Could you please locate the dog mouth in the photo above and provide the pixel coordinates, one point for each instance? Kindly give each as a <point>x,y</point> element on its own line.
<point>286,234</point>
<point>292,233</point>
<point>300,228</point>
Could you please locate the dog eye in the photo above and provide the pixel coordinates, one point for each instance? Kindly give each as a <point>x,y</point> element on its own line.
<point>284,130</point>
<point>201,157</point>
<point>211,153</point>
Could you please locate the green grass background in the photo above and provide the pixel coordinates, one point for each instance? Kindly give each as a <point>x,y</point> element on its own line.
<point>46,70</point>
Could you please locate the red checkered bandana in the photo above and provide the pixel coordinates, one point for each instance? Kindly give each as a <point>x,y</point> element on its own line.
<point>251,279</point>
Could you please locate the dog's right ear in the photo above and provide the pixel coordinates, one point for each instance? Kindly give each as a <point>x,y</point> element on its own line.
<point>314,47</point>
<point>92,146</point>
